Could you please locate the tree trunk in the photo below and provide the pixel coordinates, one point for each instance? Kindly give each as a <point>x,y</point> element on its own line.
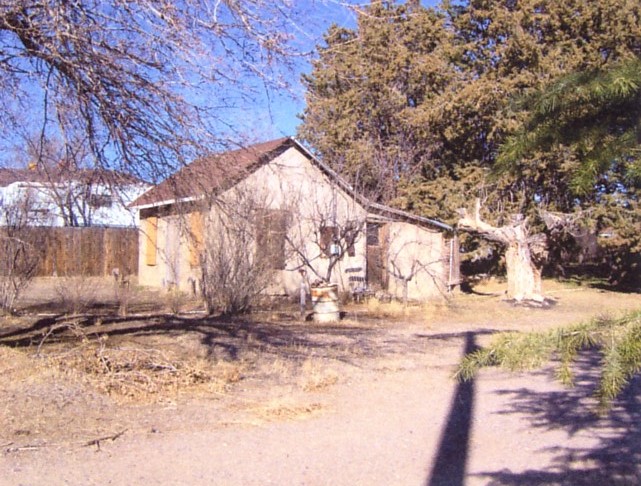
<point>523,275</point>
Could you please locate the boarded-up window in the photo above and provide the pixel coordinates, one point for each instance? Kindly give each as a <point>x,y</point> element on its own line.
<point>196,237</point>
<point>377,275</point>
<point>150,228</point>
<point>453,257</point>
<point>271,233</point>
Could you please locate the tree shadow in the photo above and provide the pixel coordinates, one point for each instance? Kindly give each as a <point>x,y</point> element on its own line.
<point>615,460</point>
<point>451,459</point>
<point>224,339</point>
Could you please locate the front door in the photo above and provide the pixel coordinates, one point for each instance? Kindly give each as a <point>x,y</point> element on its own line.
<point>377,276</point>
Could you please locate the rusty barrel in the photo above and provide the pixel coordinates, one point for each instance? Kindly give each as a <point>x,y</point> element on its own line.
<point>325,303</point>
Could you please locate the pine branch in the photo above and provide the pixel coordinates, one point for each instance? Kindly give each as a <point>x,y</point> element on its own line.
<point>618,340</point>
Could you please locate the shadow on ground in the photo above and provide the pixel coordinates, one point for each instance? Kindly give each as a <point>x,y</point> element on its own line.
<point>223,339</point>
<point>615,460</point>
<point>451,459</point>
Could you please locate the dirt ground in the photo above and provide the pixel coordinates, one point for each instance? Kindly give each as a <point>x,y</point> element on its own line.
<point>166,397</point>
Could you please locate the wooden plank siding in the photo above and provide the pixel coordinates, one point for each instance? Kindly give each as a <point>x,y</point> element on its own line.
<point>91,252</point>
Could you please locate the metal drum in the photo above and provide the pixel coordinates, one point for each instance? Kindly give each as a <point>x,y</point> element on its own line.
<point>325,303</point>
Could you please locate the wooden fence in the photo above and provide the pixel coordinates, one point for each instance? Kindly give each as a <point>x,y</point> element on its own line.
<point>90,252</point>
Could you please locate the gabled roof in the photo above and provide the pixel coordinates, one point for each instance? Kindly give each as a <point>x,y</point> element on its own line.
<point>58,176</point>
<point>211,174</point>
<point>222,171</point>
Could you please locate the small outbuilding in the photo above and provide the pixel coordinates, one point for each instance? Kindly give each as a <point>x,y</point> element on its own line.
<point>275,208</point>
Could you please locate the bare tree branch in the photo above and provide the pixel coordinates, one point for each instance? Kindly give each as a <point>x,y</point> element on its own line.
<point>141,83</point>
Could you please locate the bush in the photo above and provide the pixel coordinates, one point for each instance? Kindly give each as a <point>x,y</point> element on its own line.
<point>233,270</point>
<point>18,264</point>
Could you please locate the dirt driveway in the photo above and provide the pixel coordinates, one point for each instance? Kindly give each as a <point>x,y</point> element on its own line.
<point>370,401</point>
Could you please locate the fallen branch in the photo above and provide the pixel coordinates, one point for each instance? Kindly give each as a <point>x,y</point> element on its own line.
<point>73,326</point>
<point>97,441</point>
<point>22,448</point>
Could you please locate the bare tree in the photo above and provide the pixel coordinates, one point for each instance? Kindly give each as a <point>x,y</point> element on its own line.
<point>18,255</point>
<point>409,261</point>
<point>139,83</point>
<point>325,231</point>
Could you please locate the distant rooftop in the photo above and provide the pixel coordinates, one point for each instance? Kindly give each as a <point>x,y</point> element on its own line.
<point>38,175</point>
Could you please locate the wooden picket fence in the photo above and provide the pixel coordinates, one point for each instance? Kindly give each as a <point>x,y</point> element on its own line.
<point>90,252</point>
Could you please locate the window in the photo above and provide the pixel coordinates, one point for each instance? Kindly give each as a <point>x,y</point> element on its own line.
<point>100,200</point>
<point>271,232</point>
<point>328,238</point>
<point>350,234</point>
<point>373,238</point>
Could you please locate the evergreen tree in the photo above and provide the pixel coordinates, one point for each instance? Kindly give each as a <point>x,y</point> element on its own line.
<point>364,89</point>
<point>503,49</point>
<point>422,98</point>
<point>592,121</point>
<point>595,116</point>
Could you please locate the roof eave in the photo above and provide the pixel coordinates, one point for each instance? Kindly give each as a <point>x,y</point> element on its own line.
<point>365,201</point>
<point>166,202</point>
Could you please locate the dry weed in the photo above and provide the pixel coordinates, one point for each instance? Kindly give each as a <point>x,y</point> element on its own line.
<point>76,294</point>
<point>395,310</point>
<point>176,300</point>
<point>142,374</point>
<point>285,409</point>
<point>282,368</point>
<point>315,376</point>
<point>131,373</point>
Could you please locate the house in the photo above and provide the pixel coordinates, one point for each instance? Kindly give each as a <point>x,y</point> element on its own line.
<point>80,197</point>
<point>275,202</point>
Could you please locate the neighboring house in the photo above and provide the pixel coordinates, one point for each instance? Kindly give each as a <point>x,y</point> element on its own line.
<point>302,215</point>
<point>81,197</point>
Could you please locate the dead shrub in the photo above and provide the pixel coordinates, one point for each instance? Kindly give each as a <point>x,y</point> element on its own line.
<point>140,373</point>
<point>76,294</point>
<point>19,255</point>
<point>18,264</point>
<point>176,300</point>
<point>235,268</point>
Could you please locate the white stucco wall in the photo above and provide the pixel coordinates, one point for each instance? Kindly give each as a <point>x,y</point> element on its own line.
<point>415,255</point>
<point>292,183</point>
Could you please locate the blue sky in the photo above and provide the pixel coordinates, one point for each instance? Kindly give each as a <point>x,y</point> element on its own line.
<point>275,115</point>
<point>259,113</point>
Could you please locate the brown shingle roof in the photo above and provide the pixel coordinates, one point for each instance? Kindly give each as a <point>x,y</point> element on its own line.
<point>213,173</point>
<point>221,171</point>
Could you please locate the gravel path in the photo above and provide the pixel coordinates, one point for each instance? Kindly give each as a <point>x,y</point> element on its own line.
<point>406,423</point>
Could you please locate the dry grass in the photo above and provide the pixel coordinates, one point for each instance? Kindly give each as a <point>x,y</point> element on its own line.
<point>80,384</point>
<point>316,375</point>
<point>125,373</point>
<point>143,374</point>
<point>285,409</point>
<point>488,307</point>
<point>394,309</point>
